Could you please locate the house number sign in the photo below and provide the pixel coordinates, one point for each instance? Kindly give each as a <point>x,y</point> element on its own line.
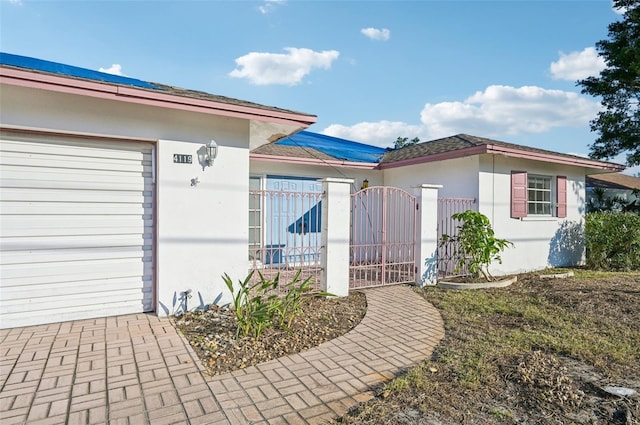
<point>182,159</point>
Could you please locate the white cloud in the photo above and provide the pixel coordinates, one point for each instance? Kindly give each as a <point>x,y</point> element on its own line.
<point>269,6</point>
<point>16,2</point>
<point>278,68</point>
<point>498,111</point>
<point>381,133</point>
<point>577,65</point>
<point>115,69</point>
<point>376,34</point>
<point>509,110</point>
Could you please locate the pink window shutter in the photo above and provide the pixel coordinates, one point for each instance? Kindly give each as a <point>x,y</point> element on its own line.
<point>518,194</point>
<point>561,196</point>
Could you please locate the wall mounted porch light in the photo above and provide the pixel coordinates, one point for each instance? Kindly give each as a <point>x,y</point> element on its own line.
<point>207,154</point>
<point>365,184</point>
<point>212,152</point>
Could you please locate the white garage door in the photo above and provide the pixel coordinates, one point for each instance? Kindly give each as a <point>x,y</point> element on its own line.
<point>76,228</point>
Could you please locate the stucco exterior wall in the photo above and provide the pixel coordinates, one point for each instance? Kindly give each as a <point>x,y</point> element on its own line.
<point>458,177</point>
<point>201,230</point>
<point>539,242</point>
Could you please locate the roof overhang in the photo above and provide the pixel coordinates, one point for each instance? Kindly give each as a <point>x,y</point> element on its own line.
<point>313,161</point>
<point>595,166</point>
<point>267,125</point>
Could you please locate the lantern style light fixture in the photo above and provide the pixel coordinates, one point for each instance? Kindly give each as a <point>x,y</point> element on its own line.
<point>365,184</point>
<point>207,154</point>
<point>211,152</point>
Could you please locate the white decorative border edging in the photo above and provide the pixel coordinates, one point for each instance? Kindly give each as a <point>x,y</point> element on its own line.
<point>482,285</point>
<point>557,276</point>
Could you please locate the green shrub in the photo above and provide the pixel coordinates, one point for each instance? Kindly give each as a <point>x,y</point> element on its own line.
<point>613,241</point>
<point>295,293</point>
<point>257,306</point>
<point>476,244</point>
<point>253,304</point>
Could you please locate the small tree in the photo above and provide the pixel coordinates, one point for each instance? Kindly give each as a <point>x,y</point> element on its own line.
<point>401,142</point>
<point>477,247</point>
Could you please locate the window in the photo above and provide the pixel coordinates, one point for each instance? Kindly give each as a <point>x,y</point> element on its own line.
<point>533,195</point>
<point>539,195</point>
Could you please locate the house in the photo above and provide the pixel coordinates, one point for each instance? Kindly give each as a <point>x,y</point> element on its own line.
<point>113,197</point>
<point>617,190</point>
<point>122,196</point>
<point>533,197</point>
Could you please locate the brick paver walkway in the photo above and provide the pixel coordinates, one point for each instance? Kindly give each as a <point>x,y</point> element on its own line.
<point>137,369</point>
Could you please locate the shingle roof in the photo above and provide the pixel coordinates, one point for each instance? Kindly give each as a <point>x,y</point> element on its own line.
<point>419,150</point>
<point>8,60</point>
<point>196,94</point>
<point>455,143</point>
<point>613,181</point>
<point>460,145</point>
<point>275,149</point>
<point>306,144</point>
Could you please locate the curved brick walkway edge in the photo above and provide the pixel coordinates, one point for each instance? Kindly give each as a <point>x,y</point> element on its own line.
<point>399,330</point>
<point>137,369</point>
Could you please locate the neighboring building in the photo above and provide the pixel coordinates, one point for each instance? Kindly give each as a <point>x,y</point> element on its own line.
<point>613,190</point>
<point>107,202</point>
<point>533,197</point>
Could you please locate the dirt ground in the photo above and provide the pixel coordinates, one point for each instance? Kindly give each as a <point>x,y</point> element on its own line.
<point>212,333</point>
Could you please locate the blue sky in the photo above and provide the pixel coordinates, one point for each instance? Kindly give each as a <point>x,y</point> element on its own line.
<point>370,70</point>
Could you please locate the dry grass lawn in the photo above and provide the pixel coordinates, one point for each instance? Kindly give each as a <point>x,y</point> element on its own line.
<point>538,352</point>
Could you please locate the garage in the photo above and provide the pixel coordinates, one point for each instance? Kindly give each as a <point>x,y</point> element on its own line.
<point>76,228</point>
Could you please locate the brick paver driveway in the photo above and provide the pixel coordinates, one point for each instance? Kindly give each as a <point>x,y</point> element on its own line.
<point>137,369</point>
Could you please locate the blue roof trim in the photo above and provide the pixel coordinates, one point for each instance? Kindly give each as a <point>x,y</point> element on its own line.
<point>340,149</point>
<point>68,70</point>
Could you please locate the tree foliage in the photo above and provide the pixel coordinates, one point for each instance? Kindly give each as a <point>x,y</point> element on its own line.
<point>612,240</point>
<point>618,85</point>
<point>401,142</point>
<point>602,201</point>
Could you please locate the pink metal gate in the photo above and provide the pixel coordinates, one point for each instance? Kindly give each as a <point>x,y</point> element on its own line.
<point>383,237</point>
